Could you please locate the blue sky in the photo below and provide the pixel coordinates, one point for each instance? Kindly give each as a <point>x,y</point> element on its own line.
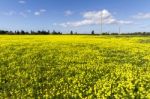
<point>77,15</point>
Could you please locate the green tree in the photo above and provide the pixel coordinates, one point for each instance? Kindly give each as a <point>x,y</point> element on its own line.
<point>71,32</point>
<point>93,32</point>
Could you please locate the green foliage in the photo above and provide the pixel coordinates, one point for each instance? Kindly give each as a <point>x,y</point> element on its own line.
<point>74,67</point>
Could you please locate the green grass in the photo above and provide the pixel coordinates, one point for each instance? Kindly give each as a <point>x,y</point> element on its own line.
<point>74,67</point>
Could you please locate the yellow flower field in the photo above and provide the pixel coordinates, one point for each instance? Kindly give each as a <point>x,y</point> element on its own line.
<point>74,67</point>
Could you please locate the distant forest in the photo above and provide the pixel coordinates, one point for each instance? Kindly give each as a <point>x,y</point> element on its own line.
<point>43,32</point>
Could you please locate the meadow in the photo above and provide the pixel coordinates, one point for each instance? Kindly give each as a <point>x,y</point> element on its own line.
<point>74,67</point>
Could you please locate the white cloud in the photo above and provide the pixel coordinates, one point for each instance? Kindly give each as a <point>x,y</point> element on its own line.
<point>37,13</point>
<point>23,14</point>
<point>68,13</point>
<point>54,24</point>
<point>145,26</point>
<point>10,13</point>
<point>29,11</point>
<point>142,16</point>
<point>125,22</point>
<point>22,2</point>
<point>41,11</point>
<point>94,18</point>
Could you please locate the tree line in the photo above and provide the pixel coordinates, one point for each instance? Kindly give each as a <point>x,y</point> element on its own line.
<point>43,32</point>
<point>22,32</point>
